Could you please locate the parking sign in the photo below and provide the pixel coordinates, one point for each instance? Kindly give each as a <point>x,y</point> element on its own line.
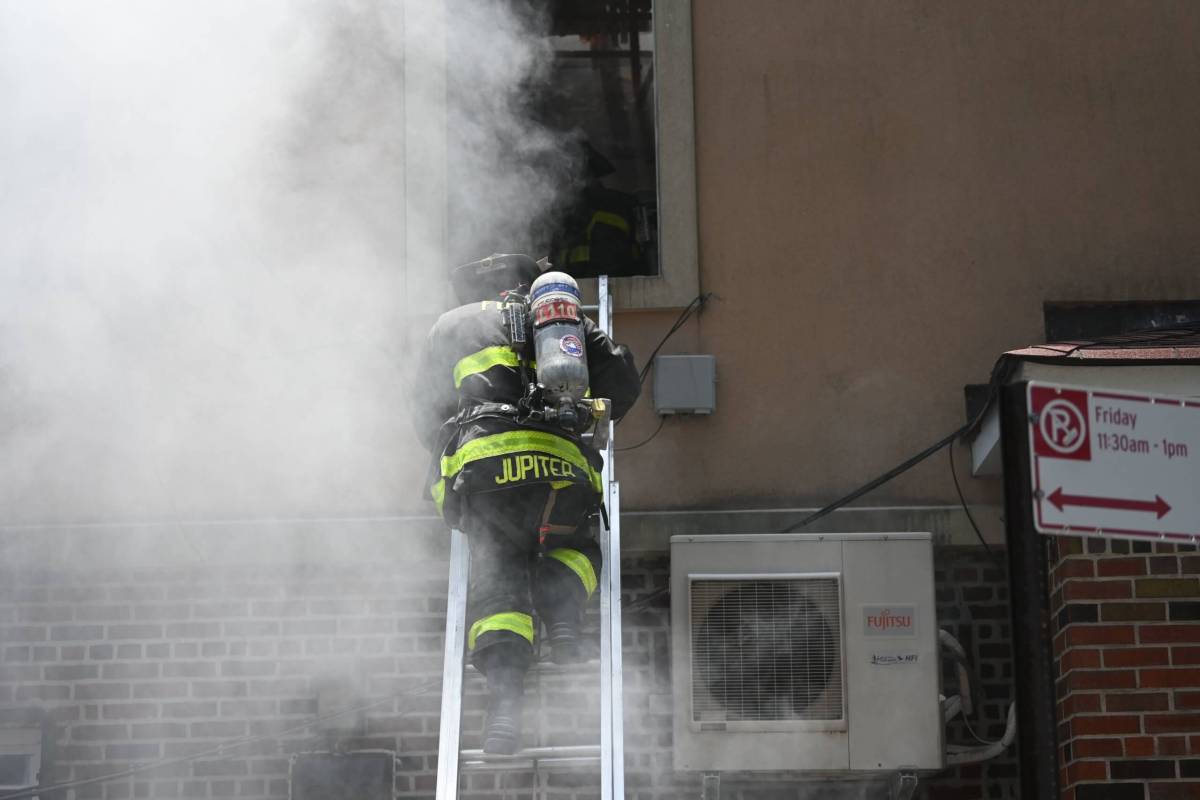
<point>1113,463</point>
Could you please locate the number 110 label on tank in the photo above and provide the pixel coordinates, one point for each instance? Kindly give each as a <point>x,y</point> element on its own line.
<point>1114,463</point>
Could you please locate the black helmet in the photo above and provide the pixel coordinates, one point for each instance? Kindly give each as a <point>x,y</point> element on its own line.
<point>487,278</point>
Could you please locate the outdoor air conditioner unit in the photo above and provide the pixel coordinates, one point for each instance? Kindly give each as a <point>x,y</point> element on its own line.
<point>805,652</point>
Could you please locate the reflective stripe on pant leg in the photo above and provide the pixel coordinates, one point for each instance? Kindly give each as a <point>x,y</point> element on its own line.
<point>512,621</point>
<point>578,563</point>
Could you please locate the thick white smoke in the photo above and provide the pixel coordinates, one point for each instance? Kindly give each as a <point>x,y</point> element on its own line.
<point>219,242</point>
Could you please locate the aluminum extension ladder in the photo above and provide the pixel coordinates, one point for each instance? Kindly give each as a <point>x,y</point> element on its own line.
<point>610,753</point>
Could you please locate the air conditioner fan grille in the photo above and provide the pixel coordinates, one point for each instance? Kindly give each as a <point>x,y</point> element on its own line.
<point>766,650</point>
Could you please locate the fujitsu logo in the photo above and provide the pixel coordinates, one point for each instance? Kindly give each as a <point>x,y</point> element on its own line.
<point>889,620</point>
<point>886,619</point>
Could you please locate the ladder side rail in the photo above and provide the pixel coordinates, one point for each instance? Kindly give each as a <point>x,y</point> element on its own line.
<point>606,740</point>
<point>606,759</point>
<point>453,665</point>
<point>611,723</point>
<point>606,665</point>
<point>616,659</point>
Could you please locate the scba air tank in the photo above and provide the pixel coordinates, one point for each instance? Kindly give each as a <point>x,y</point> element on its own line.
<point>559,345</point>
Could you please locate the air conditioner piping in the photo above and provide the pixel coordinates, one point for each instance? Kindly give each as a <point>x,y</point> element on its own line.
<point>951,706</point>
<point>974,755</point>
<point>954,649</point>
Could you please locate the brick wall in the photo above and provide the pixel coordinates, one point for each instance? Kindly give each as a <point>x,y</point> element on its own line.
<point>140,665</point>
<point>136,665</point>
<point>1127,646</point>
<point>972,600</point>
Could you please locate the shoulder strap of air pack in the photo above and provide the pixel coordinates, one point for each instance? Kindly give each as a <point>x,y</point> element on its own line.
<point>516,315</point>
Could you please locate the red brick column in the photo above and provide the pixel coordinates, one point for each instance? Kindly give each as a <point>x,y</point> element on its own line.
<point>1127,649</point>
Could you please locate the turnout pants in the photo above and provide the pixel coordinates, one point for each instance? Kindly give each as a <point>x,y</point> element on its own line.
<point>530,550</point>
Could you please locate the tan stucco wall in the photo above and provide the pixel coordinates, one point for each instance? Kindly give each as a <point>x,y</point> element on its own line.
<point>887,194</point>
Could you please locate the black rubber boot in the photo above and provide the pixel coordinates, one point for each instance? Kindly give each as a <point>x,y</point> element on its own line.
<point>502,727</point>
<point>502,731</point>
<point>564,642</point>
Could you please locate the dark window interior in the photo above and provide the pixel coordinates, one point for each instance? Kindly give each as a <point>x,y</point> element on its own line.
<point>14,770</point>
<point>349,776</point>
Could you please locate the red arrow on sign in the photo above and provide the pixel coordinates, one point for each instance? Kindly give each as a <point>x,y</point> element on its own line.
<point>1157,505</point>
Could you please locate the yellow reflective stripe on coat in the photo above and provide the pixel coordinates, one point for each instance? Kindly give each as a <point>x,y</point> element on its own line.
<point>576,254</point>
<point>579,564</point>
<point>509,442</point>
<point>513,621</point>
<point>482,361</point>
<point>438,492</point>
<point>608,218</point>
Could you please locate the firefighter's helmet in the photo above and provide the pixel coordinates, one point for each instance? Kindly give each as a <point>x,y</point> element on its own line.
<point>487,278</point>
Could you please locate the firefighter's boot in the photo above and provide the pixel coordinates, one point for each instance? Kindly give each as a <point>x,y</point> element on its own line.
<point>565,646</point>
<point>502,727</point>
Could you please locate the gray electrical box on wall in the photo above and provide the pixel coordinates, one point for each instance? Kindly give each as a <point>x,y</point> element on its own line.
<point>685,384</point>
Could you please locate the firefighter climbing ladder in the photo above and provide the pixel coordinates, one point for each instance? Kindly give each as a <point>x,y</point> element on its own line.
<point>610,753</point>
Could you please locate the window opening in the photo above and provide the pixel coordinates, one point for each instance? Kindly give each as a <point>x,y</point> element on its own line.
<point>602,93</point>
<point>20,757</point>
<point>588,140</point>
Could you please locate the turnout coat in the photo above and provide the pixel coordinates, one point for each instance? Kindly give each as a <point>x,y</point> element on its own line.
<point>467,360</point>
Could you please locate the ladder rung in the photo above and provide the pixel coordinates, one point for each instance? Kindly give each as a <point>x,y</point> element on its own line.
<point>537,753</point>
<point>530,764</point>
<point>548,669</point>
<point>563,757</point>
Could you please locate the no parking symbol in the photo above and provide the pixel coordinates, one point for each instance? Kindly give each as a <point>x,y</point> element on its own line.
<point>1062,423</point>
